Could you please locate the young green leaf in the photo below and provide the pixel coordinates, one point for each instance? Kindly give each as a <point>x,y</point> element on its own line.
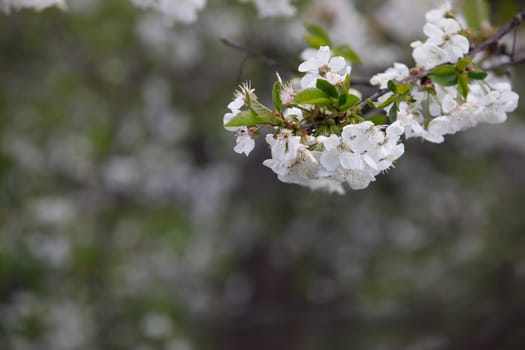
<point>328,88</point>
<point>378,119</point>
<point>316,36</point>
<point>348,53</point>
<point>346,84</point>
<point>387,102</point>
<point>267,118</point>
<point>392,86</point>
<point>403,88</point>
<point>392,114</point>
<point>445,75</point>
<point>463,85</point>
<point>258,107</point>
<point>347,101</point>
<point>312,96</point>
<point>449,79</point>
<point>244,118</point>
<point>446,69</point>
<point>463,63</point>
<point>276,96</point>
<point>477,75</point>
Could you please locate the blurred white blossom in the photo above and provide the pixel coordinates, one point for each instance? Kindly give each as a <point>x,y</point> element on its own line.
<point>183,11</point>
<point>8,5</point>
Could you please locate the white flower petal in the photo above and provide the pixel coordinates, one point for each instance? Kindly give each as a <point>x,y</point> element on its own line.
<point>323,56</point>
<point>433,31</point>
<point>358,180</point>
<point>351,160</point>
<point>337,64</point>
<point>330,160</point>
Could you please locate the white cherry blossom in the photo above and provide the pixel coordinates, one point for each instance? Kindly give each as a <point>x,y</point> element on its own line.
<point>284,149</point>
<point>445,35</point>
<point>398,72</point>
<point>323,66</point>
<point>244,142</point>
<point>444,42</point>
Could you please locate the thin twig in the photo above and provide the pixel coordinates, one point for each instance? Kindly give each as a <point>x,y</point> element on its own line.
<point>256,56</point>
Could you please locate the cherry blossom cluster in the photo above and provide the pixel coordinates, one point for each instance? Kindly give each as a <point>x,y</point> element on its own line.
<point>322,133</point>
<point>7,5</point>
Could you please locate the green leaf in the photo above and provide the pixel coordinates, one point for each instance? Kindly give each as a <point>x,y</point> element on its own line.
<point>258,107</point>
<point>446,75</point>
<point>346,85</point>
<point>463,63</point>
<point>267,118</point>
<point>477,75</point>
<point>347,101</point>
<point>276,96</point>
<point>445,80</point>
<point>378,119</point>
<point>312,96</point>
<point>476,12</point>
<point>250,118</point>
<point>328,88</point>
<point>446,69</point>
<point>316,36</point>
<point>244,118</point>
<point>403,88</point>
<point>348,53</point>
<point>392,114</point>
<point>392,86</point>
<point>387,102</point>
<point>463,85</point>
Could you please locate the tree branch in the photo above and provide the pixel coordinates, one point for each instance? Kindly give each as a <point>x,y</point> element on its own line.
<point>256,56</point>
<point>512,24</point>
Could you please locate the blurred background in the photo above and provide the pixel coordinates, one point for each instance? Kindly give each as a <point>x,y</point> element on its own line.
<point>128,223</point>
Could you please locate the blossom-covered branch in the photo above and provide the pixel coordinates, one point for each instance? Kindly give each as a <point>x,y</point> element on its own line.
<point>420,74</point>
<point>322,136</point>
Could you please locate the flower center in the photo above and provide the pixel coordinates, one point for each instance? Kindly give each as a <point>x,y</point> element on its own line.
<point>323,70</point>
